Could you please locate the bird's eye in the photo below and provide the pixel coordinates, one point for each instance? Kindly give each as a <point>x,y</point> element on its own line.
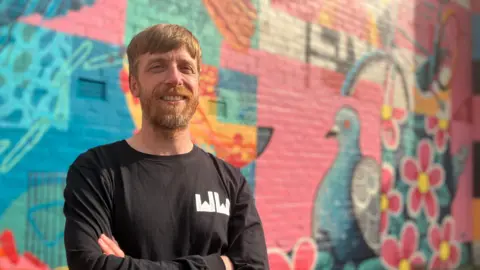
<point>346,124</point>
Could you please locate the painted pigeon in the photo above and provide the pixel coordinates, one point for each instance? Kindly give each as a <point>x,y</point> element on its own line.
<point>346,214</point>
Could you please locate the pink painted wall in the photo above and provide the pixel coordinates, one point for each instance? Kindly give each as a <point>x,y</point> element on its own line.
<point>278,65</point>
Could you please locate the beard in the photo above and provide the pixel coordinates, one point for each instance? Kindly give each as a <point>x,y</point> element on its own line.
<point>167,116</point>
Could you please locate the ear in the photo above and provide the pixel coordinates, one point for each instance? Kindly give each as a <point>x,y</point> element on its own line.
<point>133,84</point>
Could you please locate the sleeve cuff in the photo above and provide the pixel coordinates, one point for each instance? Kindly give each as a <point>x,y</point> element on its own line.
<point>214,262</point>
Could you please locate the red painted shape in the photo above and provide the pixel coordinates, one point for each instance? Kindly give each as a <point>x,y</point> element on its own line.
<point>464,112</point>
<point>7,244</point>
<point>104,21</point>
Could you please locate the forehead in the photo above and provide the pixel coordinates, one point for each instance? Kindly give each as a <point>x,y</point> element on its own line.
<point>177,55</point>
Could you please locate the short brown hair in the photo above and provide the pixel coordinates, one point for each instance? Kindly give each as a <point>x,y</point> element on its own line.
<point>161,38</point>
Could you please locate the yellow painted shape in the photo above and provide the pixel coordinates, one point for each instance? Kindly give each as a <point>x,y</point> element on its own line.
<point>476,219</point>
<point>135,109</point>
<point>324,19</point>
<point>374,36</point>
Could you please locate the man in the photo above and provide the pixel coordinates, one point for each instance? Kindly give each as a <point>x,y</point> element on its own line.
<point>155,200</point>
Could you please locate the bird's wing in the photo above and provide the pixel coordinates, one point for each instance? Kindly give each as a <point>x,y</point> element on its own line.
<point>366,200</point>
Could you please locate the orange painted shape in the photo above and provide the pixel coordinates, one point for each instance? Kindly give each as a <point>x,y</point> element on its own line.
<point>235,19</point>
<point>476,219</point>
<point>428,105</point>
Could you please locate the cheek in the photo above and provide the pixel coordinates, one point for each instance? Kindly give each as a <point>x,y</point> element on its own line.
<point>193,85</point>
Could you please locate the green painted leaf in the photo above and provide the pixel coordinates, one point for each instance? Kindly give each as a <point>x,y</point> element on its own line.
<point>324,261</point>
<point>371,264</point>
<point>443,195</point>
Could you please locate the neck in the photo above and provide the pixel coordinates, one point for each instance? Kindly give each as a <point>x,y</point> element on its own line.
<point>161,142</point>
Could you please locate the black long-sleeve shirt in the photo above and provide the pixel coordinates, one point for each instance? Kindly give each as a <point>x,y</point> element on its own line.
<point>165,212</point>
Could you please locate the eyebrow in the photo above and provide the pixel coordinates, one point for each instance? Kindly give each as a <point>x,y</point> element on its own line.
<point>158,59</point>
<point>161,59</point>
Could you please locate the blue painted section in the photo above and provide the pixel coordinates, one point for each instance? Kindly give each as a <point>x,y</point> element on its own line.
<point>86,122</point>
<point>234,80</point>
<point>11,10</point>
<point>249,173</point>
<point>239,93</point>
<point>476,36</point>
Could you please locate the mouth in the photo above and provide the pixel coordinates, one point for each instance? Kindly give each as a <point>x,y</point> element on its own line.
<point>173,98</point>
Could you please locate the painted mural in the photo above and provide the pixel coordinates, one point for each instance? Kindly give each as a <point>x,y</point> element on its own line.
<point>347,118</point>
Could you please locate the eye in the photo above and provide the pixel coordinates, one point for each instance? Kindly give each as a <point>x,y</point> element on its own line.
<point>157,67</point>
<point>346,124</point>
<point>187,69</point>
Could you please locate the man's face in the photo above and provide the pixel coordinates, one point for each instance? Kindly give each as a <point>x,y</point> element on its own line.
<point>167,86</point>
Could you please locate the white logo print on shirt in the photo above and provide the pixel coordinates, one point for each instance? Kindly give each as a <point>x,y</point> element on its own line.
<point>213,204</point>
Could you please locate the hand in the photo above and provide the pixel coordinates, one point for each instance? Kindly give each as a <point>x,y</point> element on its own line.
<point>227,262</point>
<point>110,247</point>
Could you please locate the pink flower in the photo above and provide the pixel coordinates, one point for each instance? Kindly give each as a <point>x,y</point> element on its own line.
<point>439,126</point>
<point>304,256</point>
<point>446,253</point>
<point>390,129</point>
<point>423,176</point>
<point>403,254</point>
<point>390,200</point>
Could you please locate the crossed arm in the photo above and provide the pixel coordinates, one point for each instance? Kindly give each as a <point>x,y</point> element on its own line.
<point>111,247</point>
<point>87,209</point>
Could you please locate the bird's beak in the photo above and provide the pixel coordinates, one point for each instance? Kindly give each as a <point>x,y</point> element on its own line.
<point>332,132</point>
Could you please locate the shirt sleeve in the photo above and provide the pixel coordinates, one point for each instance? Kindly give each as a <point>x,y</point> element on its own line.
<point>247,248</point>
<point>87,209</point>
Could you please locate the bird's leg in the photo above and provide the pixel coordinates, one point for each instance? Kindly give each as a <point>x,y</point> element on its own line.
<point>322,240</point>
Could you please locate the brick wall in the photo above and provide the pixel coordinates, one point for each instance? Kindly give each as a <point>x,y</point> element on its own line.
<point>393,175</point>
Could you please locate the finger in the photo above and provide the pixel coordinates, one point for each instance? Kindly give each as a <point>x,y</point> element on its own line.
<point>113,246</point>
<point>105,248</point>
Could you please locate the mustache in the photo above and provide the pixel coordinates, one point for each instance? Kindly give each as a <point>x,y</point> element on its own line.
<point>175,91</point>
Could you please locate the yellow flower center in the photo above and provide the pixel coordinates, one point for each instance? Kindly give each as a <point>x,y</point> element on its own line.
<point>404,265</point>
<point>443,124</point>
<point>444,251</point>
<point>423,183</point>
<point>387,112</point>
<point>384,203</point>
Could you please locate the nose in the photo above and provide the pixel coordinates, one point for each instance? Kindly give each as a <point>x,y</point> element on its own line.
<point>174,76</point>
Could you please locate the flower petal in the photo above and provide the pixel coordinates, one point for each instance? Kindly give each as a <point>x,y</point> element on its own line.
<point>441,140</point>
<point>436,175</point>
<point>448,229</point>
<point>409,240</point>
<point>431,124</point>
<point>394,202</point>
<point>431,204</point>
<point>409,170</point>
<point>435,262</point>
<point>383,222</point>
<point>278,260</point>
<point>399,114</point>
<point>387,178</point>
<point>390,134</point>
<point>434,237</point>
<point>454,256</point>
<point>417,259</point>
<point>414,200</point>
<point>424,152</point>
<point>390,252</point>
<point>304,254</point>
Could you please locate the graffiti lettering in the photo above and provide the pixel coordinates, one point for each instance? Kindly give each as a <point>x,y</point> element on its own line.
<point>331,49</point>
